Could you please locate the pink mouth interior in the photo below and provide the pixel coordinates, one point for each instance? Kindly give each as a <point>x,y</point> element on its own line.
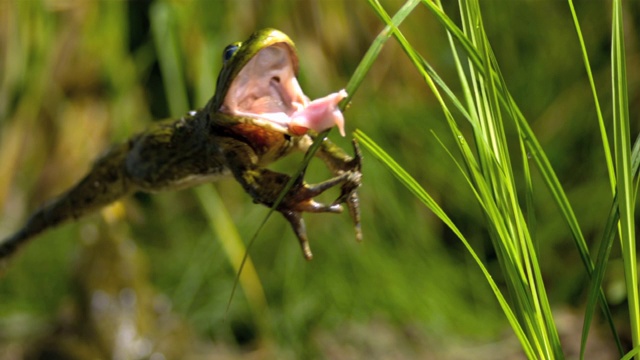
<point>267,91</point>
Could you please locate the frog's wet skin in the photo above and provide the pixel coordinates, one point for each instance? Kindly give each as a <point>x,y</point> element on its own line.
<point>257,115</point>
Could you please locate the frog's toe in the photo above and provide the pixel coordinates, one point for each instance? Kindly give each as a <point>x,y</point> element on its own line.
<point>353,203</point>
<point>356,163</point>
<point>313,190</point>
<point>300,198</point>
<point>299,228</point>
<point>352,181</point>
<point>349,196</point>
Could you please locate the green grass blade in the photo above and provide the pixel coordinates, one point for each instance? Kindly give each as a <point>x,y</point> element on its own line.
<point>169,58</point>
<point>533,146</point>
<point>374,50</point>
<point>603,130</point>
<point>604,251</point>
<point>598,274</point>
<point>614,215</point>
<point>634,352</point>
<point>553,184</point>
<point>609,233</point>
<point>624,179</point>
<point>450,25</point>
<point>546,319</point>
<point>535,152</point>
<point>492,210</point>
<point>414,187</point>
<point>494,157</point>
<point>534,149</point>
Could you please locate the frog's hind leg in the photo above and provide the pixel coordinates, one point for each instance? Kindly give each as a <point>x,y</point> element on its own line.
<point>105,183</point>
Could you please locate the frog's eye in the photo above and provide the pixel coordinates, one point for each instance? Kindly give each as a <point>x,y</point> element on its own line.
<point>229,51</point>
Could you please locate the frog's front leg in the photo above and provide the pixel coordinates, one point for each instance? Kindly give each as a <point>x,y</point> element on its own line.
<point>265,186</point>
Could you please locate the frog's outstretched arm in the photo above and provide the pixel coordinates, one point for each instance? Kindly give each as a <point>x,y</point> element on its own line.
<point>265,186</point>
<point>105,183</point>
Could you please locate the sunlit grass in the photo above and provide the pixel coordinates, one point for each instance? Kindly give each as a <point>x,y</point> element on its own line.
<point>492,182</point>
<point>624,172</point>
<point>488,171</point>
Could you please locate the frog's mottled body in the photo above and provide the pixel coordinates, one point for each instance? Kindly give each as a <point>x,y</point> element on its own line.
<point>213,142</point>
<point>175,155</point>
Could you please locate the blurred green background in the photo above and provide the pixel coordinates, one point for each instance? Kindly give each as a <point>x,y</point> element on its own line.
<point>77,76</point>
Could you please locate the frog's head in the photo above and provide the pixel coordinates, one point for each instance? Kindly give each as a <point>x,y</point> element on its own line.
<point>258,82</point>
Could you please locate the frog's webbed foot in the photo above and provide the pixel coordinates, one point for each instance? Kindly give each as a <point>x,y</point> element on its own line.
<point>300,199</point>
<point>349,190</point>
<point>265,185</point>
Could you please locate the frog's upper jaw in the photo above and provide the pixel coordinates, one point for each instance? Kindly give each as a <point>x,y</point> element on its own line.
<point>266,92</point>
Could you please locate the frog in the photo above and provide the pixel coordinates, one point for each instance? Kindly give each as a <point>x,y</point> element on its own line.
<point>257,115</point>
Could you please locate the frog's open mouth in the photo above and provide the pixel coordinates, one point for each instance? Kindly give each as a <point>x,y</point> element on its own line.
<point>266,88</point>
<point>266,91</point>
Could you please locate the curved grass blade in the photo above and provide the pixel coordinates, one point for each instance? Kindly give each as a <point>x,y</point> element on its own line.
<point>609,232</point>
<point>534,149</point>
<point>635,351</point>
<point>499,231</point>
<point>535,152</point>
<point>598,274</point>
<point>169,59</point>
<point>622,146</point>
<point>537,284</point>
<point>492,211</point>
<point>414,187</point>
<point>604,251</point>
<point>603,130</point>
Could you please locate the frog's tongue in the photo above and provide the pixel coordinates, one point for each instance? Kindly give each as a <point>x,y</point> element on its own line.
<point>319,115</point>
<point>267,91</point>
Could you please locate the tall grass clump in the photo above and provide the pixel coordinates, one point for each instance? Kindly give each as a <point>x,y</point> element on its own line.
<point>489,158</point>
